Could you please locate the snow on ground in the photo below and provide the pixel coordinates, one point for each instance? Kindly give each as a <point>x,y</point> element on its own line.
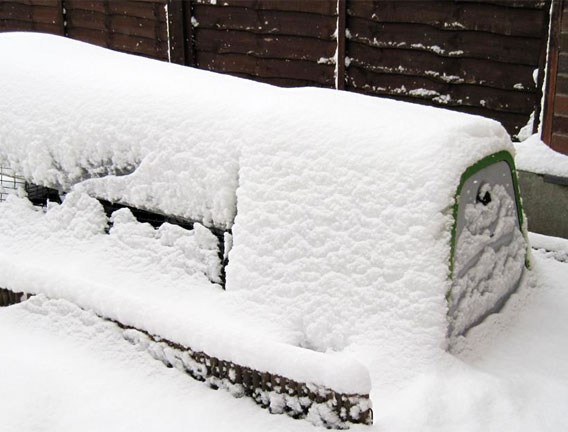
<point>341,242</point>
<point>535,156</point>
<point>63,369</point>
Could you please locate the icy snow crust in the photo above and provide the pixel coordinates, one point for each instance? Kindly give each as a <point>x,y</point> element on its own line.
<point>339,204</point>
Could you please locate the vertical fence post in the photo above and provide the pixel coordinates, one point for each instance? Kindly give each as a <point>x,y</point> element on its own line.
<point>548,114</point>
<point>176,26</point>
<point>107,24</point>
<point>61,7</point>
<point>189,52</point>
<point>341,20</point>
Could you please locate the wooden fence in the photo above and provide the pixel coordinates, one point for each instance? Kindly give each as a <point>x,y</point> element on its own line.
<point>555,127</point>
<point>477,56</point>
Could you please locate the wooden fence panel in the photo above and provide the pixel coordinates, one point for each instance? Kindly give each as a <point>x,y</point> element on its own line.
<point>555,127</point>
<point>32,15</point>
<point>283,42</point>
<point>466,55</point>
<point>131,26</point>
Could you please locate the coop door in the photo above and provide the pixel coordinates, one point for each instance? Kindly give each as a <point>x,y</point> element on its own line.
<point>489,250</point>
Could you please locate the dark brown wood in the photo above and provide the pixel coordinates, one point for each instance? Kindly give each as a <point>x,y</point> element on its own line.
<point>283,82</point>
<point>341,50</point>
<point>130,8</point>
<point>442,94</point>
<point>541,71</point>
<point>177,28</point>
<point>560,125</point>
<point>508,76</point>
<point>559,143</point>
<point>16,25</point>
<point>511,121</point>
<point>526,4</point>
<point>561,105</point>
<point>189,33</point>
<point>556,23</point>
<point>274,68</point>
<point>267,46</point>
<point>107,24</point>
<point>35,14</point>
<point>121,42</point>
<point>561,84</point>
<point>563,63</point>
<point>449,15</point>
<point>265,21</point>
<point>320,7</point>
<point>160,35</point>
<point>133,26</point>
<point>501,48</point>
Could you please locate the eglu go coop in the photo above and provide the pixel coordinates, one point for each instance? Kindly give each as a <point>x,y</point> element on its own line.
<point>353,223</point>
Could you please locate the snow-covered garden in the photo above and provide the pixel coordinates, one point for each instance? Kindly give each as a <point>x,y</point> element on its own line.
<point>352,272</point>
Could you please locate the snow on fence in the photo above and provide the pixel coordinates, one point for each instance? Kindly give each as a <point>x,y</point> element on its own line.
<point>478,57</point>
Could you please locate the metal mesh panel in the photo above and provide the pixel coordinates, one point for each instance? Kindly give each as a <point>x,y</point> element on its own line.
<point>9,182</point>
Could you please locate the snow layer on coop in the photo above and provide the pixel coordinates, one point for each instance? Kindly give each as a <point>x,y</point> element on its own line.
<point>340,205</point>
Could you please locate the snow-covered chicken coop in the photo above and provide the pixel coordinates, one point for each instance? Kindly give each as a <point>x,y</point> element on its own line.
<point>347,229</point>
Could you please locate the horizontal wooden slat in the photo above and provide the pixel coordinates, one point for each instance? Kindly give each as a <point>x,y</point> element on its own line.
<point>49,3</point>
<point>268,46</point>
<point>121,42</point>
<point>149,28</point>
<point>454,16</point>
<point>563,63</point>
<point>560,125</point>
<point>559,143</point>
<point>254,66</point>
<point>511,121</point>
<point>265,21</point>
<point>40,14</point>
<point>472,44</point>
<point>506,76</point>
<point>324,7</point>
<point>563,46</point>
<point>445,94</point>
<point>561,105</point>
<point>562,84</point>
<point>13,25</point>
<point>147,10</point>
<point>526,4</point>
<point>280,82</point>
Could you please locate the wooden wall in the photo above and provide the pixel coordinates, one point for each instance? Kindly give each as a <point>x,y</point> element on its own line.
<point>32,15</point>
<point>473,56</point>
<point>288,43</point>
<point>132,26</point>
<point>555,127</point>
<point>137,27</point>
<point>477,56</point>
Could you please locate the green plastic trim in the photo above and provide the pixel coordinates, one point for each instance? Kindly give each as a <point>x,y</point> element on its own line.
<point>478,166</point>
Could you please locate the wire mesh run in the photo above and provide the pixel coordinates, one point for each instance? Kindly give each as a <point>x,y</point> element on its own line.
<point>9,182</point>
